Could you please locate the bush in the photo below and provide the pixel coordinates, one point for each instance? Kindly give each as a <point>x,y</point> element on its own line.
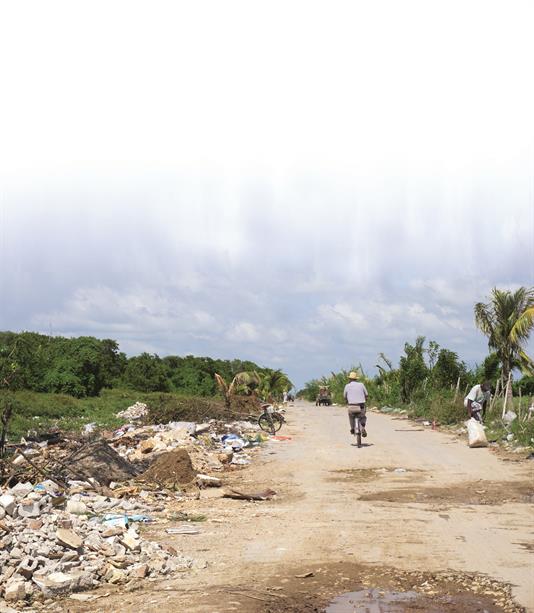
<point>163,408</point>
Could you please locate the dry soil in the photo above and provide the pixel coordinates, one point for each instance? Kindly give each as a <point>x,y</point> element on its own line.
<point>454,525</point>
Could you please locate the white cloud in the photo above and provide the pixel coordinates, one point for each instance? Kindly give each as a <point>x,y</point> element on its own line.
<point>244,332</point>
<point>184,196</point>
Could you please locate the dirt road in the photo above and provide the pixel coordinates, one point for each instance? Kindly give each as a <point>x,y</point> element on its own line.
<point>355,521</point>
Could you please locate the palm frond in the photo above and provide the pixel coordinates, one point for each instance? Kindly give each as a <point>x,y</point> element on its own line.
<point>521,329</point>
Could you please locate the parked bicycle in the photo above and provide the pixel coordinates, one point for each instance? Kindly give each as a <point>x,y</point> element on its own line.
<point>270,420</point>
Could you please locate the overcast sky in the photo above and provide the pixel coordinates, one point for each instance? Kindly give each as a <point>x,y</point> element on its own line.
<point>303,184</point>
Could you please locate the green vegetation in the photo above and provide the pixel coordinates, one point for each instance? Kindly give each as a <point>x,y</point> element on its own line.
<point>507,321</point>
<point>68,382</point>
<point>84,366</point>
<point>431,382</point>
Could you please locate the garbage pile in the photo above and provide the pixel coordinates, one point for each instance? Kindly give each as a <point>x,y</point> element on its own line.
<point>136,411</point>
<point>212,445</point>
<point>70,508</point>
<point>54,541</point>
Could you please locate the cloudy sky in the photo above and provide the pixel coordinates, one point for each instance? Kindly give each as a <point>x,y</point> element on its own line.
<point>303,184</point>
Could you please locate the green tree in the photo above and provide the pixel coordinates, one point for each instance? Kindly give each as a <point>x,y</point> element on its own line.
<point>447,369</point>
<point>273,384</point>
<point>412,369</point>
<point>507,321</point>
<point>146,373</point>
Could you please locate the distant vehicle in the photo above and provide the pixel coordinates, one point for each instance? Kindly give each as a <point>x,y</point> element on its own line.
<point>323,397</point>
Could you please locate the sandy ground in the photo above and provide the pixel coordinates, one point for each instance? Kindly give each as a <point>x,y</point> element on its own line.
<point>345,515</point>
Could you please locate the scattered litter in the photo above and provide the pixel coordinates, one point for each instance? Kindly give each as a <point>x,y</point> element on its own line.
<point>89,428</point>
<point>181,516</point>
<point>185,529</point>
<point>280,438</point>
<point>136,411</point>
<point>70,507</point>
<point>509,417</point>
<point>207,481</point>
<point>304,575</point>
<point>400,470</point>
<point>266,495</point>
<point>233,441</point>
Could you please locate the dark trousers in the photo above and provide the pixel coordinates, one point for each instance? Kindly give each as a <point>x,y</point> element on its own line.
<point>357,411</point>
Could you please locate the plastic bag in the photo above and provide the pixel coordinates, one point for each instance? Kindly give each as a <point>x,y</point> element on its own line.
<point>476,434</point>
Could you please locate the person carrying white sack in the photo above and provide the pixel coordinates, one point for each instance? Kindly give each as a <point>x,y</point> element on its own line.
<point>477,400</point>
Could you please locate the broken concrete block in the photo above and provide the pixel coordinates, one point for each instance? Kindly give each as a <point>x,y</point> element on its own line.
<point>15,590</point>
<point>8,503</point>
<point>115,575</point>
<point>55,583</point>
<point>27,567</point>
<point>69,538</point>
<point>131,541</point>
<point>147,446</point>
<point>207,481</point>
<point>29,510</point>
<point>76,507</point>
<point>21,490</point>
<point>139,571</point>
<point>35,524</point>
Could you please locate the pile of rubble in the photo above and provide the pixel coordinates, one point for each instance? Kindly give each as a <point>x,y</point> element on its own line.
<point>136,411</point>
<point>69,511</point>
<point>55,542</point>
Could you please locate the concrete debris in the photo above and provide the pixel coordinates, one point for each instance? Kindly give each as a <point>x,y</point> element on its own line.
<point>136,411</point>
<point>67,523</point>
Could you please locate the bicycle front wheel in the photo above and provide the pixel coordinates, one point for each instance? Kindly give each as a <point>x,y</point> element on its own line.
<point>270,423</point>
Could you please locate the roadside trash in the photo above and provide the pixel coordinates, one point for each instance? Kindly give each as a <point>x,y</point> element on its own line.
<point>240,460</point>
<point>476,434</point>
<point>400,470</point>
<point>266,495</point>
<point>89,428</point>
<point>510,437</point>
<point>113,520</point>
<point>426,423</point>
<point>181,516</point>
<point>185,529</point>
<point>304,575</point>
<point>69,505</point>
<point>280,438</point>
<point>136,411</point>
<point>509,417</point>
<point>233,441</point>
<point>207,481</point>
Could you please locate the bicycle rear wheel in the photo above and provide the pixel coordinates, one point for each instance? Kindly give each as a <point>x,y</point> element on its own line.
<point>270,423</point>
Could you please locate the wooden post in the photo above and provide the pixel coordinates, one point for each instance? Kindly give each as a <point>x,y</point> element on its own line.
<point>457,388</point>
<point>496,393</point>
<point>506,393</point>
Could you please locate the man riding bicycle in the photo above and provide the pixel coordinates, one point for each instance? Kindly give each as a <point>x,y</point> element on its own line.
<point>355,396</point>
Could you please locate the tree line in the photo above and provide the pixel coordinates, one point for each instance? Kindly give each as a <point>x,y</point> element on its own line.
<point>84,365</point>
<point>428,372</point>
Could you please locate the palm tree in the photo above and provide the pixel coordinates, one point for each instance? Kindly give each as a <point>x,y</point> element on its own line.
<point>244,383</point>
<point>522,327</point>
<point>507,320</point>
<point>273,383</point>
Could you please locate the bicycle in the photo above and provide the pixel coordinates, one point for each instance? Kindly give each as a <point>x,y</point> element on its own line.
<point>358,433</point>
<point>357,426</point>
<point>270,420</point>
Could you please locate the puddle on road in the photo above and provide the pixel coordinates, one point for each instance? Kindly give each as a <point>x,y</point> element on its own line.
<point>371,601</point>
<point>467,493</point>
<point>360,475</point>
